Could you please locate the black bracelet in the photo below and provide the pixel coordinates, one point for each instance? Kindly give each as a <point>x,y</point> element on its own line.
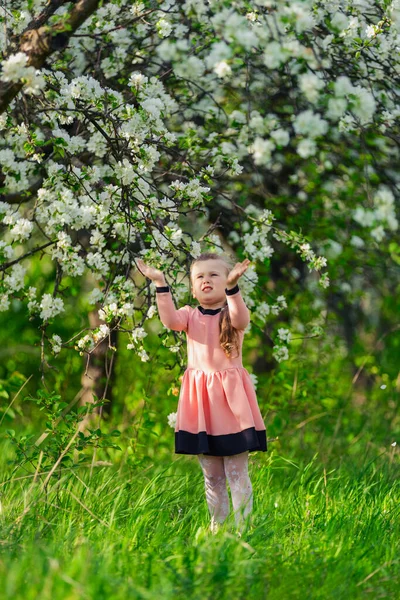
<point>232,291</point>
<point>164,288</point>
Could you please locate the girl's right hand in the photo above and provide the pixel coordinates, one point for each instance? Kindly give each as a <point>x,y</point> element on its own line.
<point>155,275</point>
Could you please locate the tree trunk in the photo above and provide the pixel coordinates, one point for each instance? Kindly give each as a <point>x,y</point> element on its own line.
<point>99,371</point>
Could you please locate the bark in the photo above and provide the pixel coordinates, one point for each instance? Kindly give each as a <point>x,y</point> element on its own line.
<point>39,41</point>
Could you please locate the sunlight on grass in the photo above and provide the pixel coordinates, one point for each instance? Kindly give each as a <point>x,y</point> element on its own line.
<point>317,531</point>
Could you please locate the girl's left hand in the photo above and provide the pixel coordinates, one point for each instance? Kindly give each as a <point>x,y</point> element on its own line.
<point>236,272</point>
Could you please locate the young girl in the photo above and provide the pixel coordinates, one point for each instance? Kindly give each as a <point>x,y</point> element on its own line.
<point>218,417</point>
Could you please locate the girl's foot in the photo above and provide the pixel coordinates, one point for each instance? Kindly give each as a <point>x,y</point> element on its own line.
<point>214,526</point>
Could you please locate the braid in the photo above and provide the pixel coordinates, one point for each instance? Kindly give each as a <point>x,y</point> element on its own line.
<point>228,336</point>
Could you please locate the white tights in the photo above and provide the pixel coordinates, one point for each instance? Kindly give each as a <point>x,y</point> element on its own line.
<point>216,470</point>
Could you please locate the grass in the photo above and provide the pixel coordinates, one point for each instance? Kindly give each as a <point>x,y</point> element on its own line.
<point>321,529</point>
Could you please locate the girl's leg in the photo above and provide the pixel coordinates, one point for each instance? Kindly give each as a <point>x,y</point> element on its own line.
<point>236,469</point>
<point>215,485</point>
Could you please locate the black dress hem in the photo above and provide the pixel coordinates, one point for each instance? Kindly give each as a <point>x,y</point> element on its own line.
<point>220,445</point>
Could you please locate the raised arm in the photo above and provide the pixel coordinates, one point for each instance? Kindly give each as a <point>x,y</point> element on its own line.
<point>169,315</point>
<point>238,311</point>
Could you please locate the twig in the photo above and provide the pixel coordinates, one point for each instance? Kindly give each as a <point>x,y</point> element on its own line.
<point>15,397</point>
<point>89,511</point>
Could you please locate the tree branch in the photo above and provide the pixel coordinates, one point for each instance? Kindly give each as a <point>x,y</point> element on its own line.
<point>17,260</point>
<point>40,43</point>
<point>24,196</point>
<point>48,10</point>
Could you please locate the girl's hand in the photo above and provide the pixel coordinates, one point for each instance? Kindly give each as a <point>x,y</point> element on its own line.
<point>155,275</point>
<point>236,272</point>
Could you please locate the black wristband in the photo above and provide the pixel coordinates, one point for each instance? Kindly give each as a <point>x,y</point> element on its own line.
<point>232,291</point>
<point>164,288</point>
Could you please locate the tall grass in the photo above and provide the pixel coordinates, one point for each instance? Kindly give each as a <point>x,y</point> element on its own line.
<point>321,528</point>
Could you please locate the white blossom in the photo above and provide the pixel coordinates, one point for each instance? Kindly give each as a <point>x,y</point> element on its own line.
<point>6,250</point>
<point>364,105</point>
<point>356,241</point>
<point>343,86</point>
<point>222,69</point>
<point>324,280</point>
<point>261,150</point>
<point>310,85</point>
<point>371,31</point>
<point>284,335</point>
<point>363,217</point>
<point>14,281</point>
<point>56,343</point>
<point>50,307</point>
<point>34,81</point>
<point>280,353</point>
<point>280,137</point>
<point>378,233</point>
<point>138,334</point>
<point>336,108</point>
<point>311,124</point>
<point>108,312</point>
<point>262,311</point>
<point>281,300</point>
<point>22,229</point>
<point>107,187</point>
<point>238,116</point>
<point>306,148</point>
<point>85,343</point>
<point>274,55</point>
<point>4,302</point>
<point>152,311</point>
<point>174,349</point>
<point>14,67</point>
<point>164,27</point>
<point>144,357</point>
<point>252,16</point>
<point>137,8</point>
<point>32,302</point>
<point>137,79</point>
<point>101,333</point>
<point>172,419</point>
<point>195,250</point>
<point>126,310</point>
<point>96,295</point>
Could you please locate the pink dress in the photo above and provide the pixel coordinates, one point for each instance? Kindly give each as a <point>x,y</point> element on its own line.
<point>217,413</point>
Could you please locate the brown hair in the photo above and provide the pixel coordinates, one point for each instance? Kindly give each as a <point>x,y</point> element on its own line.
<point>228,335</point>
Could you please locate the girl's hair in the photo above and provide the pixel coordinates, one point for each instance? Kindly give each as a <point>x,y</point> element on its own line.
<point>228,335</point>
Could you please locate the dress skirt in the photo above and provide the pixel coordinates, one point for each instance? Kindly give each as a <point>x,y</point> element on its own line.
<point>218,414</point>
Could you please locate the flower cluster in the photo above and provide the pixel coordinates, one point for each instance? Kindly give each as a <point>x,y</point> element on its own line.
<point>280,353</point>
<point>129,155</point>
<point>381,216</point>
<point>56,343</point>
<point>263,309</point>
<point>16,69</point>
<point>303,248</point>
<point>136,336</point>
<point>172,420</point>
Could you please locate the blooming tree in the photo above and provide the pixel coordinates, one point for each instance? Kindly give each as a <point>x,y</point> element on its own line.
<point>163,129</point>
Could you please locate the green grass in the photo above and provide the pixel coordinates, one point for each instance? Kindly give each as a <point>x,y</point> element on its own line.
<point>320,530</point>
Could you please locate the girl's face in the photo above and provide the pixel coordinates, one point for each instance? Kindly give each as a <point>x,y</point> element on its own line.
<point>209,282</point>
